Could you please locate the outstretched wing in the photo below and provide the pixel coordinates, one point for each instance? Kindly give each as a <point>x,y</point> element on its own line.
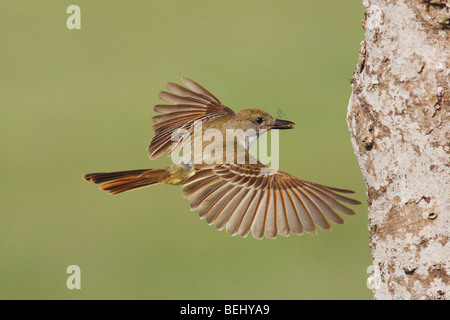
<point>267,202</point>
<point>188,105</point>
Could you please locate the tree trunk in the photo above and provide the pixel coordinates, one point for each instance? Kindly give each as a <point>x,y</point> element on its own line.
<point>398,116</point>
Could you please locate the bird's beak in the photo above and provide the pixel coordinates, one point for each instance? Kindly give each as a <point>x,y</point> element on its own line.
<point>281,124</point>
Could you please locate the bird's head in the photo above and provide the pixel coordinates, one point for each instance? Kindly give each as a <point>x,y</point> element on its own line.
<point>260,120</point>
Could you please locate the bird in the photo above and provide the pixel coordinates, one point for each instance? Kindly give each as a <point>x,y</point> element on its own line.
<point>241,196</point>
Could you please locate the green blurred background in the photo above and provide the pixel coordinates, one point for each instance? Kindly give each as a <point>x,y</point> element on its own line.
<point>78,101</point>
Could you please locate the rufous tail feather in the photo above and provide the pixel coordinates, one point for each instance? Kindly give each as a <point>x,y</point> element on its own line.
<point>121,181</point>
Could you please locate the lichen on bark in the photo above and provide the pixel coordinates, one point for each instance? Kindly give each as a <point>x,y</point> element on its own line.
<point>399,121</point>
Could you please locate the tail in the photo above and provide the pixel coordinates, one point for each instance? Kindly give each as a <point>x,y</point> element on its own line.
<point>122,181</point>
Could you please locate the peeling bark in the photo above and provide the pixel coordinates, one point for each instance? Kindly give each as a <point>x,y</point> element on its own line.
<point>399,120</point>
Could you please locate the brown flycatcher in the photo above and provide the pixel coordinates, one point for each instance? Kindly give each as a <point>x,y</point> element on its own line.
<point>221,180</point>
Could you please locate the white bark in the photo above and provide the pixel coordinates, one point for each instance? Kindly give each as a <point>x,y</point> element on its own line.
<point>399,120</point>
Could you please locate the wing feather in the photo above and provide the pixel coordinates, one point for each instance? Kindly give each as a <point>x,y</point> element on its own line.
<point>244,198</point>
<point>188,105</point>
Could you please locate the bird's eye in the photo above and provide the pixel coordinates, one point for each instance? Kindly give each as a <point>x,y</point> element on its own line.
<point>258,120</point>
